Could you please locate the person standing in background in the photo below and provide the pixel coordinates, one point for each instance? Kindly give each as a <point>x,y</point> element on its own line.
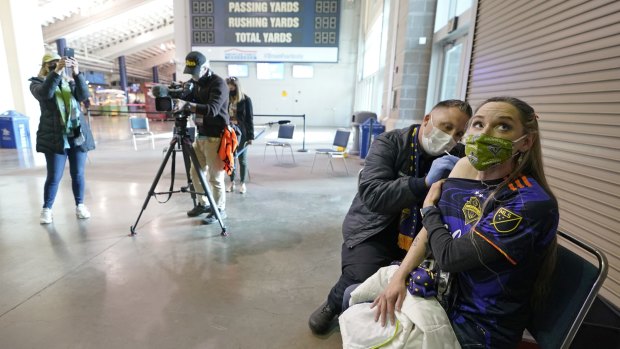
<point>242,115</point>
<point>63,133</point>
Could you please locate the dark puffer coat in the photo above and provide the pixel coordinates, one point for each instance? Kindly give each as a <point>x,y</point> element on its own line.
<point>50,132</point>
<point>245,117</point>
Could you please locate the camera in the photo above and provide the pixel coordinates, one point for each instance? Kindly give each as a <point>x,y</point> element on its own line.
<point>164,94</point>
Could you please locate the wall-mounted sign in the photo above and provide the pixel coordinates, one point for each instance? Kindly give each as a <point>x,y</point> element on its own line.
<point>266,31</point>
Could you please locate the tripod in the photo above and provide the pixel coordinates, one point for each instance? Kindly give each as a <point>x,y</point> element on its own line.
<point>182,140</point>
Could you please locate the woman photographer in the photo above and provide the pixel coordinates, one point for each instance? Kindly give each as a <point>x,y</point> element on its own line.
<point>242,115</point>
<point>62,133</point>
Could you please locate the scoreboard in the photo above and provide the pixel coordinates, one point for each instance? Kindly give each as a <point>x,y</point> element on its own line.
<point>294,31</point>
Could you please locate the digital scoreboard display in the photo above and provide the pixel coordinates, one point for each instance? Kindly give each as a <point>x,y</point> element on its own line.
<point>295,31</point>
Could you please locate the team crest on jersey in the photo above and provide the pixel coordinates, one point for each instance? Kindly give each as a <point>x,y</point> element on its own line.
<point>472,210</point>
<point>505,220</point>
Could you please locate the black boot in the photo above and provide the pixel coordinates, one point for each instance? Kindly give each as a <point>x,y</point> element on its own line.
<point>321,319</point>
<point>198,210</point>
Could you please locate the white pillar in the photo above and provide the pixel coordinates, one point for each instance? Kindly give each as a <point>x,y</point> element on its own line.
<point>21,51</point>
<point>181,37</point>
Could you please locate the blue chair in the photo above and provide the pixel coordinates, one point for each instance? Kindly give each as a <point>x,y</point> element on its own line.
<point>140,127</point>
<point>341,140</point>
<point>285,131</point>
<point>574,286</point>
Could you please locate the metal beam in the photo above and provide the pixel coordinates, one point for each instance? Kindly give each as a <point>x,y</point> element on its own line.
<point>163,58</point>
<point>139,43</point>
<point>105,12</point>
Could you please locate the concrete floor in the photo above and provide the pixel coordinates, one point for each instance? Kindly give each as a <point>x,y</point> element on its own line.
<point>177,284</point>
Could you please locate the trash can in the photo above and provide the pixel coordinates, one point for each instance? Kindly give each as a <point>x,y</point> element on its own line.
<point>14,130</point>
<point>356,120</point>
<point>366,133</point>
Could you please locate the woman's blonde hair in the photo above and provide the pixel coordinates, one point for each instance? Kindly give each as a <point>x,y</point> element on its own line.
<point>238,95</point>
<point>43,71</point>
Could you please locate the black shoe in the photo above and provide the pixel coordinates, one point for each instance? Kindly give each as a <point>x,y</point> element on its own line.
<point>211,218</point>
<point>198,210</point>
<point>321,320</point>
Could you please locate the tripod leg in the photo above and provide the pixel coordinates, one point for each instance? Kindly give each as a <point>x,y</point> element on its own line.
<point>190,184</point>
<point>187,148</point>
<point>155,181</point>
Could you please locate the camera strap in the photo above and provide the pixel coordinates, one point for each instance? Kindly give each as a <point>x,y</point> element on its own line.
<point>170,190</point>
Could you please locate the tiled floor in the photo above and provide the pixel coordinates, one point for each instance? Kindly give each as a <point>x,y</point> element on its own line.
<point>177,284</point>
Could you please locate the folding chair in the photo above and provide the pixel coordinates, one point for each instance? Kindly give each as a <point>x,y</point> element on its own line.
<point>341,140</point>
<point>574,286</point>
<point>140,127</point>
<point>285,131</point>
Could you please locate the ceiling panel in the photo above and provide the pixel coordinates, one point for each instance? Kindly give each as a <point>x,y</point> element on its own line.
<point>102,30</point>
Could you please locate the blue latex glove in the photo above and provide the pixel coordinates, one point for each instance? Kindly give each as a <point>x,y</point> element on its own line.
<point>440,169</point>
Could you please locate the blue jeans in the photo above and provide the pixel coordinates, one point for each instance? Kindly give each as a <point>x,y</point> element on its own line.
<point>242,164</point>
<point>346,297</point>
<point>55,170</point>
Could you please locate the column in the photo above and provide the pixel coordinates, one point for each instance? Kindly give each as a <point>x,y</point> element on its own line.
<point>21,50</point>
<point>122,71</point>
<point>61,44</point>
<point>413,60</point>
<point>155,74</point>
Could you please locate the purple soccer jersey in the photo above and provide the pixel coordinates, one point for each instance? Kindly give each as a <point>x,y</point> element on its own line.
<point>520,221</point>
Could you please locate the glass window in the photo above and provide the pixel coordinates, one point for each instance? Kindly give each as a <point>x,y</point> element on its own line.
<point>447,9</point>
<point>238,70</point>
<point>270,71</point>
<point>372,49</point>
<point>451,72</point>
<point>303,71</point>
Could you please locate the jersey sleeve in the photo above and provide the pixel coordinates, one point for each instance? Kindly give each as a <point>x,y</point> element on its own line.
<point>519,222</point>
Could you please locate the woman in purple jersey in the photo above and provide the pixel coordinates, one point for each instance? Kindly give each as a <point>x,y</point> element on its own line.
<point>494,229</point>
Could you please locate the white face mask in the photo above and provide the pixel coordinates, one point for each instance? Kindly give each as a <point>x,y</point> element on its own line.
<point>437,141</point>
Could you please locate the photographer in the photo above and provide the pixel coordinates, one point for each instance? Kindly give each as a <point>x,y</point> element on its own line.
<point>63,134</point>
<point>209,101</point>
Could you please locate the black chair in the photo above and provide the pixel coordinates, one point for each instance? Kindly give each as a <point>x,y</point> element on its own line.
<point>574,286</point>
<point>140,127</point>
<point>285,131</point>
<point>341,140</point>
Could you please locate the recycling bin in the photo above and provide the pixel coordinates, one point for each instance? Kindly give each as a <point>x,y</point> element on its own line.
<point>366,134</point>
<point>14,130</point>
<point>356,120</point>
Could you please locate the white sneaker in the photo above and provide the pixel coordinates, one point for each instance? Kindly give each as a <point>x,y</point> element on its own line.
<point>82,212</point>
<point>46,216</point>
<point>243,189</point>
<point>231,187</point>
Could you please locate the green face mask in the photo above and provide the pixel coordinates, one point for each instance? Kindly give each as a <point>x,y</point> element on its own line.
<point>484,151</point>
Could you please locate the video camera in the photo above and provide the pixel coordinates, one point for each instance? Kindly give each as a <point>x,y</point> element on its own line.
<point>164,94</point>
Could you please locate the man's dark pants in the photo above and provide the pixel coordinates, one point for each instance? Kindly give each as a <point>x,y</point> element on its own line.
<point>363,260</point>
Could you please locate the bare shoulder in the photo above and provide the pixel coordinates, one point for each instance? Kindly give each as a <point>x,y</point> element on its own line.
<point>463,169</point>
